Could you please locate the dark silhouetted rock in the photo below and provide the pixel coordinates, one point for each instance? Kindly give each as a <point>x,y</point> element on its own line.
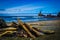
<point>50,16</point>
<point>2,23</point>
<point>58,15</point>
<point>40,14</point>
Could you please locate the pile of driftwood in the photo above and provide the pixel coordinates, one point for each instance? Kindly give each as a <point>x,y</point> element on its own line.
<point>20,29</point>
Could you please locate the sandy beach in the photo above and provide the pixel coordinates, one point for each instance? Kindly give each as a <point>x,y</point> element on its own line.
<point>44,25</point>
<point>51,22</point>
<point>48,25</point>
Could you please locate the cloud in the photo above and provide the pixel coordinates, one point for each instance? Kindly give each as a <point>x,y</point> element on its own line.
<point>22,9</point>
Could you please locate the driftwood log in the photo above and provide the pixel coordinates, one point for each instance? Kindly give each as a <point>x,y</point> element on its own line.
<point>21,29</point>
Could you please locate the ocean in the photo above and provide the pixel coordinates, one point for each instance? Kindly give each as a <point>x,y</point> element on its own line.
<point>27,18</point>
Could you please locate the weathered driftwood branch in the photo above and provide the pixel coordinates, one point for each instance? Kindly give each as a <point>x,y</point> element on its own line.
<point>27,29</point>
<point>24,27</point>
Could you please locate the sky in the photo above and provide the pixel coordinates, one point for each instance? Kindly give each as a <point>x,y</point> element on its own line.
<point>19,7</point>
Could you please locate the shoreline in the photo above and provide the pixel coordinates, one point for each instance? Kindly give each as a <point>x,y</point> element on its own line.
<point>44,22</point>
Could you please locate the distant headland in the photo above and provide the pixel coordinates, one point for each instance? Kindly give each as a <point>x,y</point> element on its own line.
<point>49,15</point>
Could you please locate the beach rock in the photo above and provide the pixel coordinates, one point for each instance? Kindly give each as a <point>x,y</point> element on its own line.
<point>58,15</point>
<point>2,23</point>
